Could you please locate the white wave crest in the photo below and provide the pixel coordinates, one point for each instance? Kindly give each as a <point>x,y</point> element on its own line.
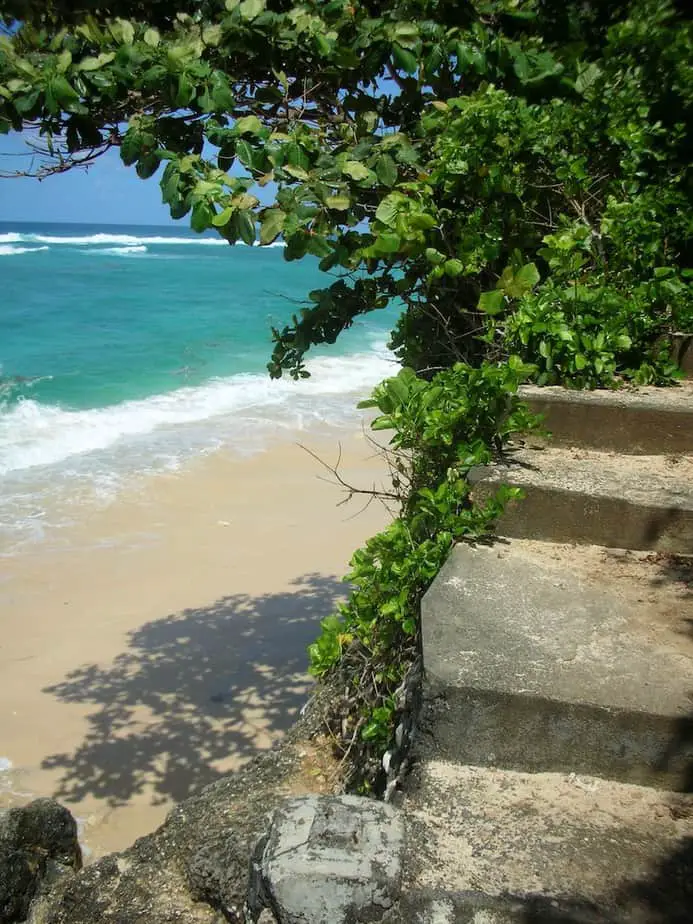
<point>116,240</point>
<point>33,434</point>
<point>10,250</point>
<point>128,251</point>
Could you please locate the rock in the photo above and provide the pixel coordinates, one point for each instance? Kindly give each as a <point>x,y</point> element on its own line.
<point>329,860</point>
<point>266,917</point>
<point>194,869</point>
<point>38,846</point>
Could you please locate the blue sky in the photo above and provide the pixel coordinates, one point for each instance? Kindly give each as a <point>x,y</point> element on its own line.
<point>108,193</point>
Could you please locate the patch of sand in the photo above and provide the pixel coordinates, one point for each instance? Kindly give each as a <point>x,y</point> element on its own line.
<point>163,641</point>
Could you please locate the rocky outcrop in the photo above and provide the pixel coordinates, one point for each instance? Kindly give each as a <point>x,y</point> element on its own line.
<point>38,847</point>
<point>194,869</point>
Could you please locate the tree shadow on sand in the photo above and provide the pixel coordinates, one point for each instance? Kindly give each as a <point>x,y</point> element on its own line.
<point>191,691</point>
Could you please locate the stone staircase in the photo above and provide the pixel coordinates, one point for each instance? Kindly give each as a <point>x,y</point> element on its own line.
<point>617,472</point>
<point>554,777</point>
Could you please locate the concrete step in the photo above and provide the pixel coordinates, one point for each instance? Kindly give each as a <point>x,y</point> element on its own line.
<point>632,502</point>
<point>640,421</point>
<point>502,847</point>
<point>545,657</point>
<point>683,353</point>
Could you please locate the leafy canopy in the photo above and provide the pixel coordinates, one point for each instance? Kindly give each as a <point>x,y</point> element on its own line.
<point>516,172</point>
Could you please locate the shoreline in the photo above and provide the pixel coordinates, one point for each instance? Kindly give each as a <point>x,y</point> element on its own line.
<point>164,644</point>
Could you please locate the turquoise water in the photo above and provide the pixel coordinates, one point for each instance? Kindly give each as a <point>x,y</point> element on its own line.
<point>128,349</point>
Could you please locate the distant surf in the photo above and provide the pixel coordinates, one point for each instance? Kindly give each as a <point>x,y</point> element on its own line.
<point>120,240</point>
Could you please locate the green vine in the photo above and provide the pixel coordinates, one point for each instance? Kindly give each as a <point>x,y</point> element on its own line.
<point>442,428</point>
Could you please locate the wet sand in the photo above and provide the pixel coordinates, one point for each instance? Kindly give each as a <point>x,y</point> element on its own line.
<point>161,641</point>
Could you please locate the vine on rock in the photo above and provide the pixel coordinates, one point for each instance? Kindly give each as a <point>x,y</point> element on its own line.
<point>442,429</point>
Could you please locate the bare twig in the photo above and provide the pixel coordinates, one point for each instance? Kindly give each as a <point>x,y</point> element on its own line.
<point>351,489</point>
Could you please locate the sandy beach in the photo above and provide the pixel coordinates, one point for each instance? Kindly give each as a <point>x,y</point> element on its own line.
<point>160,641</point>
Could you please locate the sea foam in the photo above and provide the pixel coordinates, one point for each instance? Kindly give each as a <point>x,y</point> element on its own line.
<point>33,434</point>
<point>114,240</point>
<point>11,250</point>
<point>127,251</point>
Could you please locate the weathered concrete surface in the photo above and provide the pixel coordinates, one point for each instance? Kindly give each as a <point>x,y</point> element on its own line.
<point>329,860</point>
<point>38,844</point>
<point>543,657</point>
<point>683,353</point>
<point>655,421</point>
<point>494,846</point>
<point>636,502</point>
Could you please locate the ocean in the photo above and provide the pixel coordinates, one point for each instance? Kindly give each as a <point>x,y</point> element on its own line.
<point>129,350</point>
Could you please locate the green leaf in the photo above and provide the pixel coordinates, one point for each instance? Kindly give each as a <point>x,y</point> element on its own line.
<point>125,31</point>
<point>453,267</point>
<point>222,218</point>
<point>521,66</point>
<point>405,59</point>
<point>272,225</point>
<point>297,172</point>
<point>356,170</point>
<point>251,9</point>
<point>64,61</point>
<point>580,361</point>
<point>244,223</point>
<point>515,285</point>
<point>491,302</point>
<point>587,77</point>
<point>324,46</point>
<point>130,147</point>
<point>211,35</point>
<point>338,203</point>
<point>221,94</point>
<point>387,242</point>
<point>94,64</point>
<point>248,125</point>
<point>147,165</point>
<point>296,156</point>
<point>386,170</point>
<point>406,34</point>
<point>169,183</point>
<point>390,208</point>
<point>383,423</point>
<point>202,216</point>
<point>466,55</point>
<point>434,256</point>
<point>62,90</point>
<point>152,37</point>
<point>245,153</point>
<point>527,277</point>
<point>26,102</point>
<point>185,92</point>
<point>319,246</point>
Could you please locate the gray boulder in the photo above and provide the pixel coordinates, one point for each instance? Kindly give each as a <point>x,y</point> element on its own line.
<point>329,860</point>
<point>38,845</point>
